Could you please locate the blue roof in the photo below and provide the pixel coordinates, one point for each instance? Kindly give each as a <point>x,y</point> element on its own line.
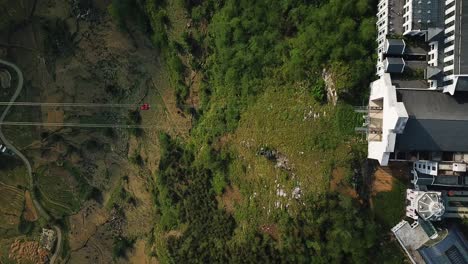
<point>453,249</point>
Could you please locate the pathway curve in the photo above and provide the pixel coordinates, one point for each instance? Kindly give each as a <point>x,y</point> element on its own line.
<point>25,160</point>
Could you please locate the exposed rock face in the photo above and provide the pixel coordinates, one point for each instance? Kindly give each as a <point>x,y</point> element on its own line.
<point>332,95</point>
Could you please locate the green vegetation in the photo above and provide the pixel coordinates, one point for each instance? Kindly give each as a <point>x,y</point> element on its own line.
<point>325,229</point>
<point>13,14</point>
<point>59,40</point>
<point>263,91</point>
<point>25,227</point>
<point>62,190</point>
<point>127,12</point>
<point>120,247</point>
<point>390,206</point>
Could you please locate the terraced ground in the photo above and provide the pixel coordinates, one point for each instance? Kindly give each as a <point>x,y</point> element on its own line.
<point>57,191</point>
<point>12,202</point>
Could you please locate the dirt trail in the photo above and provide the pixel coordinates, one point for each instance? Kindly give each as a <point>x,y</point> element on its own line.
<point>30,212</point>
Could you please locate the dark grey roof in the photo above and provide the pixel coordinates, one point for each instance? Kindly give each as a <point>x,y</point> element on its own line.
<point>401,82</point>
<point>394,46</point>
<point>437,121</point>
<point>427,14</point>
<point>449,180</point>
<point>394,65</point>
<point>426,104</point>
<point>424,179</point>
<point>462,84</point>
<point>453,249</point>
<point>415,50</point>
<point>434,33</point>
<point>432,73</point>
<point>433,135</point>
<point>460,61</point>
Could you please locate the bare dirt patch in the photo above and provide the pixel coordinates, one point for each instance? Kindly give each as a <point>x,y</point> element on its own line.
<point>138,254</point>
<point>27,252</point>
<point>385,176</point>
<point>230,198</point>
<point>383,181</point>
<point>194,84</point>
<point>338,183</point>
<point>271,230</point>
<point>29,213</point>
<point>85,223</point>
<point>55,116</point>
<point>174,233</point>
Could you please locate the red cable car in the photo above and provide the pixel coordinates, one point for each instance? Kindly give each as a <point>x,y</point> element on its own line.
<point>145,107</point>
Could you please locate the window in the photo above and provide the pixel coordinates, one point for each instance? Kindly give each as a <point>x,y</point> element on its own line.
<point>433,168</point>
<point>424,166</point>
<point>449,82</point>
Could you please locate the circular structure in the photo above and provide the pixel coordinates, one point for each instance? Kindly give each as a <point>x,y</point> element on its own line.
<point>430,206</point>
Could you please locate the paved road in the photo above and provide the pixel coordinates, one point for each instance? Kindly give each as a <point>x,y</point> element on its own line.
<point>10,146</point>
<point>58,247</point>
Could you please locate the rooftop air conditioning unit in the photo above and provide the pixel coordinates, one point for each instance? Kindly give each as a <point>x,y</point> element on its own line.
<point>459,167</point>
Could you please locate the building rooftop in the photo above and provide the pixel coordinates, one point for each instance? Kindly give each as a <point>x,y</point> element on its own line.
<point>395,16</point>
<point>395,46</point>
<point>402,82</point>
<point>411,238</point>
<point>452,249</point>
<point>394,65</point>
<point>427,14</point>
<point>437,121</point>
<point>460,61</point>
<point>426,104</point>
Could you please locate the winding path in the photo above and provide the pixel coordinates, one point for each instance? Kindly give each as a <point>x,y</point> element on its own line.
<point>18,153</point>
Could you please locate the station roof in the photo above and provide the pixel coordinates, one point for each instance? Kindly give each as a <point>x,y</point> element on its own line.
<point>437,121</point>
<point>453,249</point>
<point>394,65</point>
<point>424,179</point>
<point>395,46</point>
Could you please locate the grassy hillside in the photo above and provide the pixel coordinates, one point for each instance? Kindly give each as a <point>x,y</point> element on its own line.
<point>257,179</point>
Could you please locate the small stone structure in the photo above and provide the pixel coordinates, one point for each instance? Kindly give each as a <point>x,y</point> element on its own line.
<point>48,238</point>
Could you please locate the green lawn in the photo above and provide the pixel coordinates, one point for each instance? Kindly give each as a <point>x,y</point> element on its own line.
<point>389,207</point>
